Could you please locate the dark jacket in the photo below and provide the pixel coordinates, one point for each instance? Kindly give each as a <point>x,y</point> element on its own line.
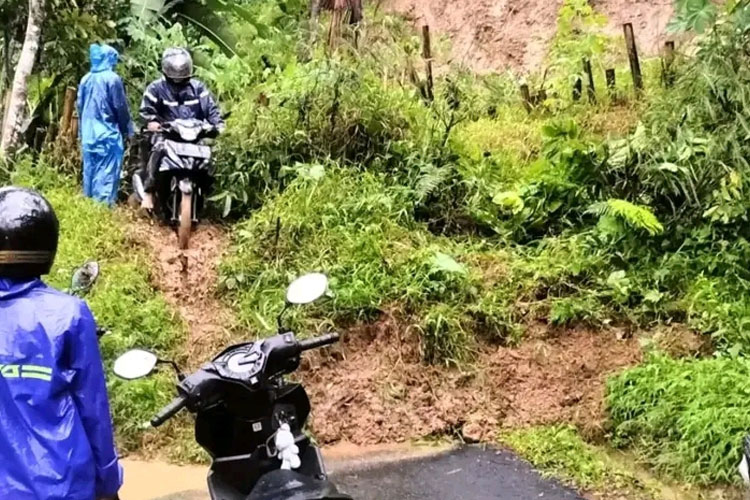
<point>164,102</point>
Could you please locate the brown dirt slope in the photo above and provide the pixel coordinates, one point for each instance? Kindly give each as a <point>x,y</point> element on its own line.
<point>188,280</point>
<point>373,388</point>
<point>491,35</point>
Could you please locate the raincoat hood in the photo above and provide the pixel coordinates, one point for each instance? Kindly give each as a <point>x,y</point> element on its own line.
<point>102,57</point>
<point>104,123</point>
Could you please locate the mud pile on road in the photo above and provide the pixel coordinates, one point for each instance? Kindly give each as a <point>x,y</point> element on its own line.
<point>188,280</point>
<point>374,388</point>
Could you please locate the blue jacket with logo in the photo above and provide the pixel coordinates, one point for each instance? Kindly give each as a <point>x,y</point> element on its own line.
<point>55,424</point>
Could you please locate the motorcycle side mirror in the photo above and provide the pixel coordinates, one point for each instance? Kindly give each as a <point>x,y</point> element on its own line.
<point>304,290</point>
<point>136,363</point>
<point>307,289</point>
<point>84,277</point>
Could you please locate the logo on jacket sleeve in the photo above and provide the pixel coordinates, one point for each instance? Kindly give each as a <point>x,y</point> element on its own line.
<point>26,371</point>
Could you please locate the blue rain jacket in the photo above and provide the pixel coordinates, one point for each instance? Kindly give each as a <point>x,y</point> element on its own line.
<point>55,427</point>
<point>104,123</point>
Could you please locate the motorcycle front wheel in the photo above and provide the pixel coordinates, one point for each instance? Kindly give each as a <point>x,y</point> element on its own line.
<point>186,220</point>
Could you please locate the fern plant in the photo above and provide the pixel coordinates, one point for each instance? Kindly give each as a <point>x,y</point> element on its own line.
<point>634,216</point>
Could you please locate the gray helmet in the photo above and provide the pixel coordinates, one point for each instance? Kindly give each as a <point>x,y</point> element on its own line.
<point>177,65</point>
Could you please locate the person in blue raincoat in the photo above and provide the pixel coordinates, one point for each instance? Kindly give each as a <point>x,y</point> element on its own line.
<point>105,124</point>
<point>56,438</point>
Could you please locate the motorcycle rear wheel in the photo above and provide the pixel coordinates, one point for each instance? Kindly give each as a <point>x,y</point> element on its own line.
<point>186,220</point>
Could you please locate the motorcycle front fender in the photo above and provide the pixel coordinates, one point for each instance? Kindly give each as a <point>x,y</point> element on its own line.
<point>283,484</point>
<point>138,188</point>
<point>186,186</point>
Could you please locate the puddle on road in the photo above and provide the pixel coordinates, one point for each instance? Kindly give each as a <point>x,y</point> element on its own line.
<point>151,480</point>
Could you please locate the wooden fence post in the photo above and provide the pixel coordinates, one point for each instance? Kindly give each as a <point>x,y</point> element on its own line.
<point>635,65</point>
<point>577,89</point>
<point>611,78</point>
<point>590,75</point>
<point>526,95</point>
<point>667,62</point>
<point>74,126</point>
<point>427,55</point>
<point>69,103</point>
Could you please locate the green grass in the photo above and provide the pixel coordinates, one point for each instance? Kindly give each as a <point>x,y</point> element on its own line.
<point>686,417</point>
<point>559,451</point>
<point>358,231</point>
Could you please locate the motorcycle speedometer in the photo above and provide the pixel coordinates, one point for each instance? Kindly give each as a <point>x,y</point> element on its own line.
<point>242,363</point>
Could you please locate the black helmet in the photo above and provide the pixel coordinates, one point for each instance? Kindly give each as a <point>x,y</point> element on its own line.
<point>177,65</point>
<point>29,231</point>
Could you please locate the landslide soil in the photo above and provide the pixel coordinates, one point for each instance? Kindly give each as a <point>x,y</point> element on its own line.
<point>373,388</point>
<point>493,35</point>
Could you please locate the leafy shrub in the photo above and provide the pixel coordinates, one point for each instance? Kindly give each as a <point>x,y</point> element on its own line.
<point>613,212</point>
<point>687,417</point>
<point>444,335</point>
<point>315,111</point>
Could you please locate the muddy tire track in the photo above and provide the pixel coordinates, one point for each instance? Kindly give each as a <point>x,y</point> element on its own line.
<point>188,280</point>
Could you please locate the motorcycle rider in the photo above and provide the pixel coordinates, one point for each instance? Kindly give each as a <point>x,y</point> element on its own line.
<point>175,95</point>
<point>56,428</point>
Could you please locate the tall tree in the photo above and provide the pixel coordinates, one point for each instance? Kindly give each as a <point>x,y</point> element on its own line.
<point>19,90</point>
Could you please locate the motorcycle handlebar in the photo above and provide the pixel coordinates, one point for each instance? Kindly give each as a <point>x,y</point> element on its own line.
<point>169,411</point>
<point>314,343</point>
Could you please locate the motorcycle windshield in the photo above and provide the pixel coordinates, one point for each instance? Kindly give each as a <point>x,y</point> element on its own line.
<point>188,129</point>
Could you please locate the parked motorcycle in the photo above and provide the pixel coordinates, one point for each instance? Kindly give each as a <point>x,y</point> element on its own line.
<point>183,176</point>
<point>247,416</point>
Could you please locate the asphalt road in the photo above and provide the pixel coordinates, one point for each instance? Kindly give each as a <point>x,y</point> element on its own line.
<point>469,473</point>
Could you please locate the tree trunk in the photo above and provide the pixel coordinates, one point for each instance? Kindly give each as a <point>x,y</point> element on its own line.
<point>17,103</point>
<point>5,78</point>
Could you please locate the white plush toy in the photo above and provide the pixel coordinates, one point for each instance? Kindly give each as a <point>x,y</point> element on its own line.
<point>286,450</point>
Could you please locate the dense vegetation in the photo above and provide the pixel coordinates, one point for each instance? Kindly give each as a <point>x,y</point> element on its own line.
<point>464,215</point>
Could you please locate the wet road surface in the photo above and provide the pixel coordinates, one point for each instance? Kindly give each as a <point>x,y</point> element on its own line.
<point>469,473</point>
